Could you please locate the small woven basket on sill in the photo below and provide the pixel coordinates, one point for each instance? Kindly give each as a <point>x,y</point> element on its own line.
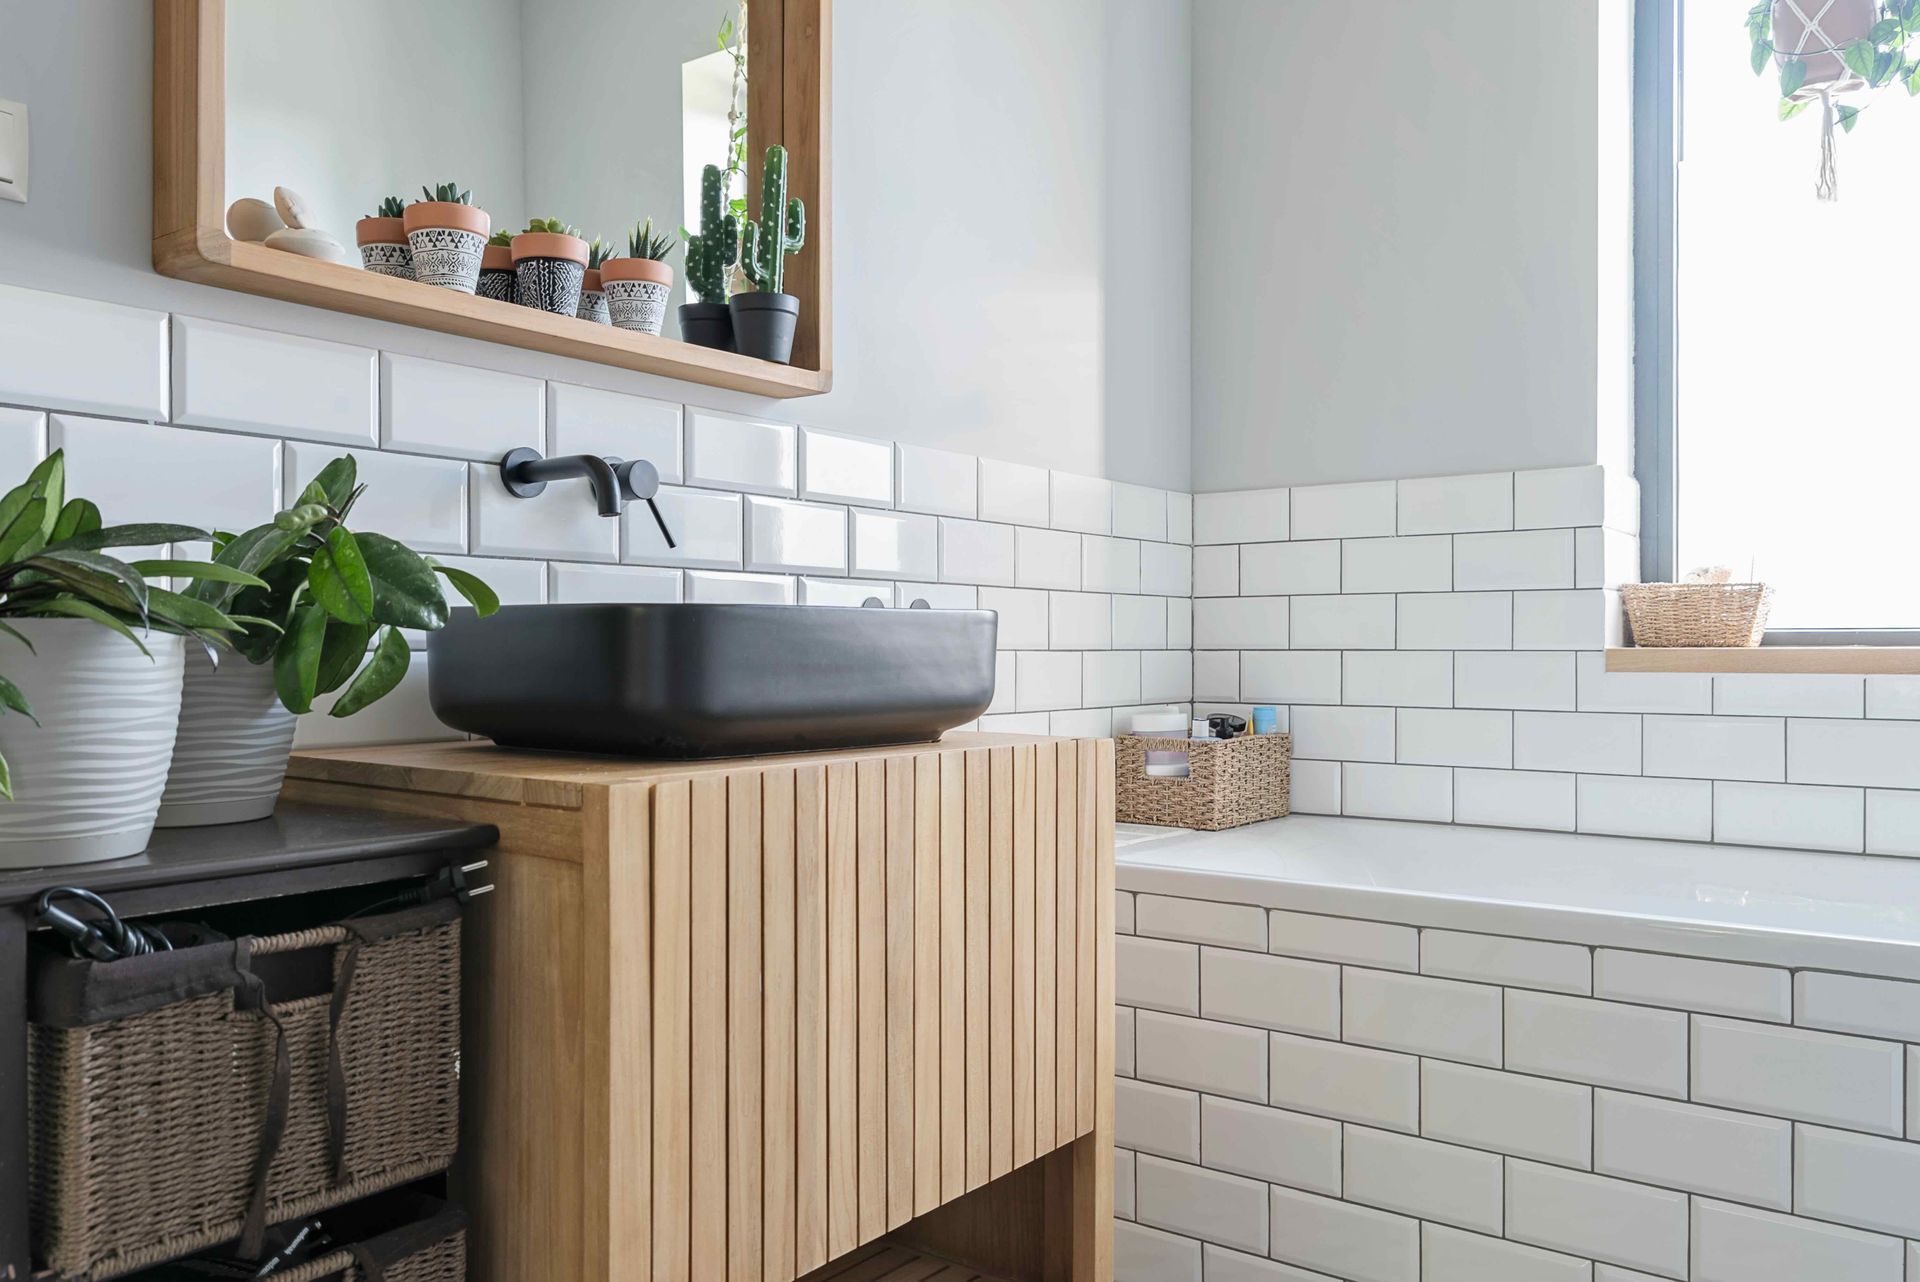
<point>1724,615</point>
<point>1230,782</point>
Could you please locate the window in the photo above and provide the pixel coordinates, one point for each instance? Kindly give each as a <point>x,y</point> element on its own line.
<point>1779,429</point>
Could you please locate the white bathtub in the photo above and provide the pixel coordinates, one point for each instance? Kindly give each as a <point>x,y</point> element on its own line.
<point>1411,1053</point>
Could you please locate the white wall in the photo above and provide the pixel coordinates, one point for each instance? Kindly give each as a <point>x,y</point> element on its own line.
<point>974,212</point>
<point>1399,237</point>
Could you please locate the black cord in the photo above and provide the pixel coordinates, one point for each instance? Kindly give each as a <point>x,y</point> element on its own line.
<point>110,940</point>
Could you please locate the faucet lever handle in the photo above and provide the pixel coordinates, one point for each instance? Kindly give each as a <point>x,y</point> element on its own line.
<point>661,521</point>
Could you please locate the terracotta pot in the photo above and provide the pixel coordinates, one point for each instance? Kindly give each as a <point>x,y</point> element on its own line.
<point>549,269</point>
<point>383,246</point>
<point>447,239</point>
<point>637,290</point>
<point>593,300</point>
<point>496,275</point>
<point>1840,24</point>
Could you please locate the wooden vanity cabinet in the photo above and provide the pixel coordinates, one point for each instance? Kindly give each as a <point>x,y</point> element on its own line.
<point>746,1019</point>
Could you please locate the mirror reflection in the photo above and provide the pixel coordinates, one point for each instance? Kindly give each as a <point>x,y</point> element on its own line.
<point>545,119</point>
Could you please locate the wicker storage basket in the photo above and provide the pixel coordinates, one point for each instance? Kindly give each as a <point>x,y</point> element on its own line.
<point>1230,782</point>
<point>186,1099</point>
<point>1665,615</point>
<point>395,1237</point>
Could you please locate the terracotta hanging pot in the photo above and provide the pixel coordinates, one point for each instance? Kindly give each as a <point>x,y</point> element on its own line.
<point>1815,32</point>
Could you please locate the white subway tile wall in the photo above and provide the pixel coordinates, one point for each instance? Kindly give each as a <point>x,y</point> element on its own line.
<point>1437,595</point>
<point>1375,615</point>
<point>1374,1100</point>
<point>238,419</point>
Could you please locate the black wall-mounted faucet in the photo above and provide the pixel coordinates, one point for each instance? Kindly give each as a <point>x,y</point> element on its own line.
<point>525,474</point>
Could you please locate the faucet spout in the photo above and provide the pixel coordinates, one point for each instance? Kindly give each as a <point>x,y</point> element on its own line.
<point>526,474</point>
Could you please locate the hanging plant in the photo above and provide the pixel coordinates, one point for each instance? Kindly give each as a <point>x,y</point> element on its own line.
<point>1826,48</point>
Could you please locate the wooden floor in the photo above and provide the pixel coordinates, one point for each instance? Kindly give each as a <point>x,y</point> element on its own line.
<point>883,1262</point>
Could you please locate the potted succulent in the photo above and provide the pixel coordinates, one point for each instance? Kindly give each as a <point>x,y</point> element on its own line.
<point>382,237</point>
<point>593,298</point>
<point>638,285</point>
<point>95,697</point>
<point>320,609</point>
<point>764,318</point>
<point>710,256</point>
<point>549,266</point>
<point>446,234</point>
<point>496,269</point>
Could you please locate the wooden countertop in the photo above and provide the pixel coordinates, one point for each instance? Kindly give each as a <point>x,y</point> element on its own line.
<point>482,770</point>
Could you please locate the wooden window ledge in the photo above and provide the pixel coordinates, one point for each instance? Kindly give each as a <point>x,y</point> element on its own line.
<point>1845,660</point>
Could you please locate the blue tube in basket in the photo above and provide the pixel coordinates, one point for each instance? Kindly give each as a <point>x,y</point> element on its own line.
<point>1266,720</point>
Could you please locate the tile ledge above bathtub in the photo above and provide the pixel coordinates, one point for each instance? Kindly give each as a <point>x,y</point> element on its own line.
<point>1779,907</point>
<point>1840,660</point>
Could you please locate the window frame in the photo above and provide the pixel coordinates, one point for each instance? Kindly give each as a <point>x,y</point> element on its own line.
<point>1659,145</point>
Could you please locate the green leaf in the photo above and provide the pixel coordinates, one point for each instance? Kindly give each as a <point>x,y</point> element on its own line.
<point>199,570</point>
<point>10,697</point>
<point>482,598</point>
<point>26,525</point>
<point>15,502</point>
<point>6,780</point>
<point>379,677</point>
<point>1793,74</point>
<point>1913,81</point>
<point>1848,117</point>
<point>70,559</point>
<point>1859,57</point>
<point>52,476</point>
<point>1762,54</point>
<point>186,612</point>
<point>341,653</point>
<point>78,517</point>
<point>336,480</point>
<point>405,592</point>
<point>17,635</point>
<point>253,552</point>
<point>1883,31</point>
<point>296,661</point>
<point>75,608</point>
<point>132,536</point>
<point>1789,108</point>
<point>338,579</point>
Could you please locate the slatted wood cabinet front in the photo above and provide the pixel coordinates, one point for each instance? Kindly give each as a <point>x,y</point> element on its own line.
<point>737,1020</point>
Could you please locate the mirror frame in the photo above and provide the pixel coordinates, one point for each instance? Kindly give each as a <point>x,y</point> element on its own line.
<point>789,48</point>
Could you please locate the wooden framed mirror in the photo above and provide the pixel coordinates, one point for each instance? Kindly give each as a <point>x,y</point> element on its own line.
<point>788,90</point>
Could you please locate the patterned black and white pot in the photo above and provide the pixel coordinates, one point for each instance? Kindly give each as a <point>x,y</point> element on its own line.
<point>446,239</point>
<point>550,269</point>
<point>383,247</point>
<point>637,292</point>
<point>388,260</point>
<point>498,282</point>
<point>593,300</point>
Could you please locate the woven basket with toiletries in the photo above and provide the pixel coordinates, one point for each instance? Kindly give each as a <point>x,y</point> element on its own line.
<point>185,1099</point>
<point>1721,615</point>
<point>1229,782</point>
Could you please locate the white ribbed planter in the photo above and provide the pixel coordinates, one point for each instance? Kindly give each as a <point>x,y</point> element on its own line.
<point>231,755</point>
<point>86,780</point>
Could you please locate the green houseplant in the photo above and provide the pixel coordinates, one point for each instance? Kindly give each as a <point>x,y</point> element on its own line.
<point>93,699</point>
<point>764,317</point>
<point>322,609</point>
<point>1828,48</point>
<point>446,234</point>
<point>638,285</point>
<point>711,253</point>
<point>593,295</point>
<point>382,237</point>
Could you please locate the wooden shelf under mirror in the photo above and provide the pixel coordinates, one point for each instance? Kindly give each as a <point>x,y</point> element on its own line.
<point>789,52</point>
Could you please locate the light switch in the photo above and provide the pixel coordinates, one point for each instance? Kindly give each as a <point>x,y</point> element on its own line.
<point>13,151</point>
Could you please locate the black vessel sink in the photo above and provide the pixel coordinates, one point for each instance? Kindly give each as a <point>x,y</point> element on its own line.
<point>687,681</point>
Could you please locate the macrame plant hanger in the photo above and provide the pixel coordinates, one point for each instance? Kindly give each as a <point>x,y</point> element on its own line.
<point>1816,42</point>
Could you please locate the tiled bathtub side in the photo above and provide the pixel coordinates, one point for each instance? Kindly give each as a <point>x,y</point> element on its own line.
<point>1308,1097</point>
